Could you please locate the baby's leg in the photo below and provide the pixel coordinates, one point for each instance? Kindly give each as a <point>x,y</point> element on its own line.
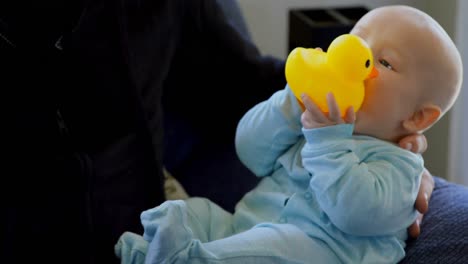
<point>131,248</point>
<point>171,226</point>
<point>265,243</point>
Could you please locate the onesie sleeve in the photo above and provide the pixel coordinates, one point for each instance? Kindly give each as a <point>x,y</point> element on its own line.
<point>365,188</point>
<point>267,130</point>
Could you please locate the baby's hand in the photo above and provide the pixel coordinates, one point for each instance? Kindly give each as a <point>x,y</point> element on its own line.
<point>313,117</point>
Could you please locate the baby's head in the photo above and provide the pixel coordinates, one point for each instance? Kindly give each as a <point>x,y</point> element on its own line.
<point>420,72</point>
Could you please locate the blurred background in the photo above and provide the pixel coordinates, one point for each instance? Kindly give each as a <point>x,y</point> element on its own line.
<point>278,25</point>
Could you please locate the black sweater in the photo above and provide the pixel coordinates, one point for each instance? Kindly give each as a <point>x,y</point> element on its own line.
<point>84,89</point>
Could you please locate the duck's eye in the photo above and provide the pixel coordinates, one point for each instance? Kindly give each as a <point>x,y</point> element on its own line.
<point>367,63</point>
<point>386,64</point>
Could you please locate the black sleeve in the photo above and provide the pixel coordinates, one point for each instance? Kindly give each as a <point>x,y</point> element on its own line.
<point>217,75</point>
<point>218,72</point>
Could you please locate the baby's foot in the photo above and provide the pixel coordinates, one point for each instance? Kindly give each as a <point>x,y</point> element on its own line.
<point>166,230</point>
<point>131,248</point>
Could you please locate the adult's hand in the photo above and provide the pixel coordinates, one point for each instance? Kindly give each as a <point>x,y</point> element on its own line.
<point>422,202</point>
<point>418,144</point>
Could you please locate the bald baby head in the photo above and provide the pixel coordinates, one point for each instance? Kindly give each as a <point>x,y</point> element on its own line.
<point>420,71</point>
<point>437,56</point>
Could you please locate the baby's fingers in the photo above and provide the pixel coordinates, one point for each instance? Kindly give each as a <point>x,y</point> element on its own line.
<point>350,116</point>
<point>334,113</point>
<point>314,111</point>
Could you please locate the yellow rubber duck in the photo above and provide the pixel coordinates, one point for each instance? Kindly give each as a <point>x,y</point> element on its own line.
<point>341,70</point>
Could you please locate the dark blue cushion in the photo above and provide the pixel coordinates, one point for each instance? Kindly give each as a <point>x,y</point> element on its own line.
<point>444,229</point>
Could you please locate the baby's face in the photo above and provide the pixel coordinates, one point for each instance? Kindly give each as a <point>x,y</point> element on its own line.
<point>402,49</point>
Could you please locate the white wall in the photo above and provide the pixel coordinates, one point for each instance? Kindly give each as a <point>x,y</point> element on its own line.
<point>268,19</point>
<point>458,167</point>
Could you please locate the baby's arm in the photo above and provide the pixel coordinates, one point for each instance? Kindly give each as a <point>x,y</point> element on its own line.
<point>373,195</point>
<point>267,130</point>
<point>370,196</point>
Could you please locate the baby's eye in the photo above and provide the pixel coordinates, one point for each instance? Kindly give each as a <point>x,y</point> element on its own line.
<point>386,64</point>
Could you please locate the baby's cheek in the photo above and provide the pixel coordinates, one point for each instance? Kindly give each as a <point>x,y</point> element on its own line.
<point>360,124</point>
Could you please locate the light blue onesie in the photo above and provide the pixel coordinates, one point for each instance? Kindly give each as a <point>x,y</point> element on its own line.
<point>326,197</point>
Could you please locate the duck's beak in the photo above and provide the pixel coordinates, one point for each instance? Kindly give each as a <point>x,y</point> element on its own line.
<point>374,73</point>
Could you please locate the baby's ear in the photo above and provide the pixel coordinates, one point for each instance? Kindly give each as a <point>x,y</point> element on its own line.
<point>422,119</point>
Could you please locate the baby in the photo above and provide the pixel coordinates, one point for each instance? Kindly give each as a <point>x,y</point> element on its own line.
<point>333,190</point>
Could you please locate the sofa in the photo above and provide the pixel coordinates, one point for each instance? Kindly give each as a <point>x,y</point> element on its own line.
<point>211,169</point>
